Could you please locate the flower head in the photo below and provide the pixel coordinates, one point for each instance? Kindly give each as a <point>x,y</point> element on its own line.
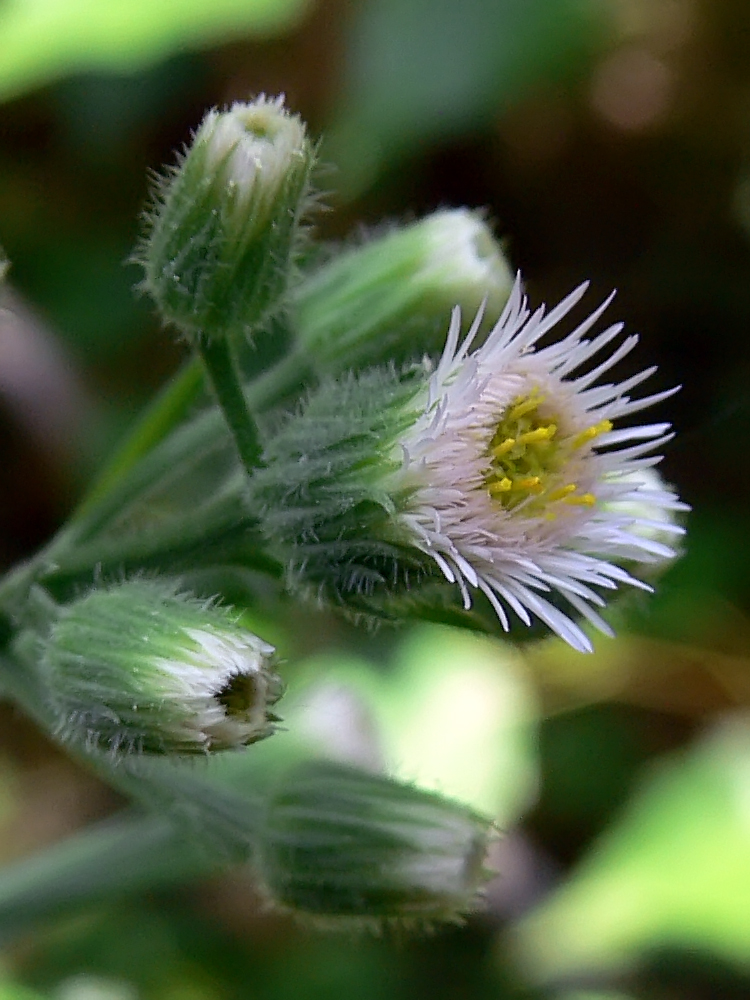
<point>140,666</point>
<point>502,469</point>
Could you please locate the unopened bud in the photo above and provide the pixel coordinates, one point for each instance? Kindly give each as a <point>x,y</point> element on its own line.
<point>140,667</point>
<point>653,514</point>
<point>346,847</point>
<point>391,298</point>
<point>223,236</point>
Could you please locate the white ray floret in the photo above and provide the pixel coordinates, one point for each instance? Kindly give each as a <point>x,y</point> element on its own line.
<point>519,484</point>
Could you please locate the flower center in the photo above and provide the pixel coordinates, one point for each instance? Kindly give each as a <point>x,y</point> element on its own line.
<point>528,458</point>
<point>239,694</point>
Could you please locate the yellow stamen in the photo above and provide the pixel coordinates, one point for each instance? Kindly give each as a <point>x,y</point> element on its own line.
<point>592,432</point>
<point>562,492</point>
<point>502,449</point>
<point>524,407</point>
<point>538,435</point>
<point>501,486</point>
<point>584,500</point>
<point>531,483</point>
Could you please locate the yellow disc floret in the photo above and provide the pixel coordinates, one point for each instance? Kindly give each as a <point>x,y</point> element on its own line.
<point>528,457</point>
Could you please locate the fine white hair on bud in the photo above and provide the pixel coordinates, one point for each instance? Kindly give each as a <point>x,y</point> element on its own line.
<point>387,299</point>
<point>140,667</point>
<point>501,473</point>
<point>344,848</point>
<point>224,234</point>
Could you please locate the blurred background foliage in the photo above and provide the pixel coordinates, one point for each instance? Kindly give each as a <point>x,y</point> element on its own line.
<point>607,139</point>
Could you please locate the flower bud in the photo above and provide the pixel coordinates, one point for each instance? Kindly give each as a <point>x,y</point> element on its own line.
<point>140,667</point>
<point>345,846</point>
<point>652,513</point>
<point>222,237</point>
<point>390,299</point>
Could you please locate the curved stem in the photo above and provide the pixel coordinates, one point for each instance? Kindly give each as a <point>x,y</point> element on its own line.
<point>223,372</point>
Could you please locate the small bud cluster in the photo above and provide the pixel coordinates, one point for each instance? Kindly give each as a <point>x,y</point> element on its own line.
<point>446,457</point>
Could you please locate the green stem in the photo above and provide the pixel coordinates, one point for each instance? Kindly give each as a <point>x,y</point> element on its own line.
<point>220,533</point>
<point>191,440</point>
<point>226,822</point>
<point>121,856</point>
<point>169,408</point>
<point>223,372</point>
<point>149,454</point>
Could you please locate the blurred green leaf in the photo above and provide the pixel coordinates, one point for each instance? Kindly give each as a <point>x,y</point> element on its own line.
<point>454,713</point>
<point>673,873</point>
<point>428,69</point>
<point>44,39</point>
<point>11,991</point>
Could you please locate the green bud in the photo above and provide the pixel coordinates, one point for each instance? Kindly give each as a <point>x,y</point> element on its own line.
<point>140,667</point>
<point>222,238</point>
<point>346,847</point>
<point>391,298</point>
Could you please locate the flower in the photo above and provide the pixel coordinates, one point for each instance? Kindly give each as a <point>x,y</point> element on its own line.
<point>141,667</point>
<point>516,470</point>
<point>500,471</point>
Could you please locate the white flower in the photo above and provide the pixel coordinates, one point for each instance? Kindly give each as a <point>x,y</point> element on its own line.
<point>519,485</point>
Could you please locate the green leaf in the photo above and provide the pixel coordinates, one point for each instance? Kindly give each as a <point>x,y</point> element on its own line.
<point>44,39</point>
<point>429,69</point>
<point>673,873</point>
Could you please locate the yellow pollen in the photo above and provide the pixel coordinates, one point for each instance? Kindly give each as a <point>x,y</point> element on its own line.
<point>503,449</point>
<point>502,486</point>
<point>538,435</point>
<point>525,406</point>
<point>591,432</point>
<point>562,492</point>
<point>584,500</point>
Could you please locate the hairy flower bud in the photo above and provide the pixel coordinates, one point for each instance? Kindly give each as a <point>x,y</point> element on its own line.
<point>222,238</point>
<point>140,667</point>
<point>345,846</point>
<point>390,298</point>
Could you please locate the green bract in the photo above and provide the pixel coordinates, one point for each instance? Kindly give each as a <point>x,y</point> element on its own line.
<point>324,500</point>
<point>141,667</point>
